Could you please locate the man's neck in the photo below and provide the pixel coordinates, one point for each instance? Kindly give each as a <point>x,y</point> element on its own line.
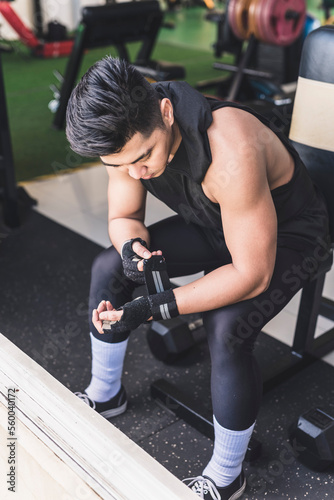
<point>176,141</point>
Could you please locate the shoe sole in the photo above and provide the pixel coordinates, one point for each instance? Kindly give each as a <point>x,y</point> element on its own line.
<point>240,491</point>
<point>115,411</point>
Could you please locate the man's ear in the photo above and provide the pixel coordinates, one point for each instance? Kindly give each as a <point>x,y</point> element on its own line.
<point>167,111</point>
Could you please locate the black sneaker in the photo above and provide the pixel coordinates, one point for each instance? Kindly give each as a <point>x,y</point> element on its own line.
<point>205,488</point>
<point>115,406</point>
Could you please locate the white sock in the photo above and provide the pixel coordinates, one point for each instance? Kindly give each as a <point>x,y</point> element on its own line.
<point>228,454</point>
<point>107,367</point>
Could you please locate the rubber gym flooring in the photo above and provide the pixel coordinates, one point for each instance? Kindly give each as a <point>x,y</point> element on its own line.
<point>43,306</point>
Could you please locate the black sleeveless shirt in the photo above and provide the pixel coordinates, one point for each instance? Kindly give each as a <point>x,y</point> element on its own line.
<point>300,209</point>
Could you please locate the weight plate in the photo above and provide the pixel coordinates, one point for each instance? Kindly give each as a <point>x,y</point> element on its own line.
<point>241,18</point>
<point>254,25</point>
<point>267,19</point>
<point>259,20</point>
<point>283,20</point>
<point>231,12</point>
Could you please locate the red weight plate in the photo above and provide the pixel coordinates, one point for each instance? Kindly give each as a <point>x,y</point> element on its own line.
<point>288,27</point>
<point>266,20</point>
<point>231,12</point>
<point>259,20</point>
<point>283,20</point>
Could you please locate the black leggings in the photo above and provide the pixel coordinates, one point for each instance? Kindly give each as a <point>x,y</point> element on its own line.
<point>236,383</point>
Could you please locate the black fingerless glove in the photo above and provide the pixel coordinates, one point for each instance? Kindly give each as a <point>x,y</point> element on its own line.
<point>160,306</point>
<point>130,260</point>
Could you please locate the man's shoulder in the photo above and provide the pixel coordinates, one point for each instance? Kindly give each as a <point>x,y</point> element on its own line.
<point>234,128</point>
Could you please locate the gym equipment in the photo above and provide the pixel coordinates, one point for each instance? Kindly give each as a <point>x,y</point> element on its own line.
<point>327,5</point>
<point>312,437</point>
<point>167,339</point>
<point>186,409</point>
<point>8,191</point>
<point>278,22</point>
<point>312,134</point>
<point>38,46</point>
<point>240,32</point>
<point>117,24</point>
<point>171,339</point>
<point>10,194</point>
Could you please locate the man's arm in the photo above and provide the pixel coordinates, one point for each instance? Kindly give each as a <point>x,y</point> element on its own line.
<point>237,180</point>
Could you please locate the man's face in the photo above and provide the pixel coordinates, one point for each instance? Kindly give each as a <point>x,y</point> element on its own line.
<point>143,158</point>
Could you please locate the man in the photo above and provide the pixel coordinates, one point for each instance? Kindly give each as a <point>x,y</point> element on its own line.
<point>248,216</point>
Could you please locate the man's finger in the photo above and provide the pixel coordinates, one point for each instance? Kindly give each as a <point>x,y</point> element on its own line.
<point>141,250</point>
<point>102,306</point>
<point>97,323</point>
<point>110,315</point>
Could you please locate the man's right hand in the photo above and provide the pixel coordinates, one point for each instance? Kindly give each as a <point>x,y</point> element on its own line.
<point>133,253</point>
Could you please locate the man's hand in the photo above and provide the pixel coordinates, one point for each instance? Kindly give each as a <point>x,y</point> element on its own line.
<point>108,319</point>
<point>122,321</point>
<point>133,253</point>
<point>111,314</point>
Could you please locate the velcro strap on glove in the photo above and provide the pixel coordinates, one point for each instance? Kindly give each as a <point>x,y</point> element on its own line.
<point>130,260</point>
<point>163,305</point>
<point>156,277</point>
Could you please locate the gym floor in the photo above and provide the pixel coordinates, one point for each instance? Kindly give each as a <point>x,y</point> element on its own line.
<point>51,255</point>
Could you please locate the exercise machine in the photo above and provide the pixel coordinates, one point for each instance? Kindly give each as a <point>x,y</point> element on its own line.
<point>249,29</point>
<point>39,47</point>
<point>117,25</point>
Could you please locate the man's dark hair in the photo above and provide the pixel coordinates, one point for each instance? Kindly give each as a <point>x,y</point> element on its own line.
<point>109,105</point>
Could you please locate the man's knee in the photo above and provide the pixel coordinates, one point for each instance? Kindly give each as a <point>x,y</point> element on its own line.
<point>108,259</point>
<point>108,280</point>
<point>229,332</point>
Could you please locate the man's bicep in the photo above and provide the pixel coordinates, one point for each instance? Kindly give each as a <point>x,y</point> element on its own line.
<point>250,230</point>
<point>126,197</point>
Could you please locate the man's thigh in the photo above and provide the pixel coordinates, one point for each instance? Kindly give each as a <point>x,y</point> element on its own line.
<point>185,247</point>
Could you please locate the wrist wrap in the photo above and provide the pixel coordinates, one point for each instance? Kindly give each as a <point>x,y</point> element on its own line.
<point>160,302</point>
<point>160,306</point>
<point>163,305</point>
<point>130,260</point>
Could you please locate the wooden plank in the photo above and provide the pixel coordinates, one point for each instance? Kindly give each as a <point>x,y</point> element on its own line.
<point>101,457</point>
<point>39,473</point>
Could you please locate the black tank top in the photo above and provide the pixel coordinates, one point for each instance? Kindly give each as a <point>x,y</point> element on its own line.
<point>300,210</point>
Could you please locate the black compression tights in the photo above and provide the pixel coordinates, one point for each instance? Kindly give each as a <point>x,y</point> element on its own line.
<point>236,384</point>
